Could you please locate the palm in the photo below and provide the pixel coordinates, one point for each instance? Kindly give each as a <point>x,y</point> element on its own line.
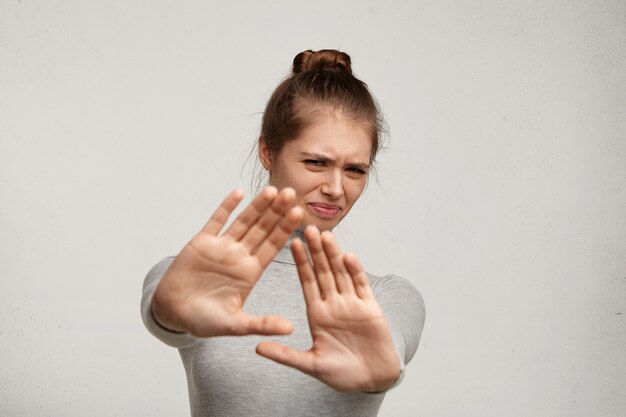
<point>204,289</point>
<point>347,339</point>
<point>352,346</point>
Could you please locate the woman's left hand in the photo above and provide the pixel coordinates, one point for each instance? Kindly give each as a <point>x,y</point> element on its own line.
<point>352,345</point>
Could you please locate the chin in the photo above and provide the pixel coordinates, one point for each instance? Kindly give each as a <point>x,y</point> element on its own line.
<point>321,224</point>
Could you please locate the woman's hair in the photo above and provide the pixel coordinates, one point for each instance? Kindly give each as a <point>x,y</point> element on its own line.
<point>321,84</point>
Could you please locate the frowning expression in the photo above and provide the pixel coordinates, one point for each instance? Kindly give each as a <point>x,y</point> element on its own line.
<point>327,165</point>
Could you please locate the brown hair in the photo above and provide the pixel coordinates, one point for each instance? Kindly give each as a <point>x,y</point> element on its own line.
<point>321,83</point>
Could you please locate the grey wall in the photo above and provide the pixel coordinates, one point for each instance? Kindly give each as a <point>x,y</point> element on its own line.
<point>502,195</point>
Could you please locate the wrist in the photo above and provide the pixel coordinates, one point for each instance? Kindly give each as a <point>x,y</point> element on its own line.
<point>385,384</point>
<point>163,319</point>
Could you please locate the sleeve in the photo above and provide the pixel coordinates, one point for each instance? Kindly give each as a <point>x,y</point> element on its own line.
<point>174,339</point>
<point>404,309</point>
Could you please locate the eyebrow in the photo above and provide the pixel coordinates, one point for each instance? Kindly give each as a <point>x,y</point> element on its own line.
<point>325,158</point>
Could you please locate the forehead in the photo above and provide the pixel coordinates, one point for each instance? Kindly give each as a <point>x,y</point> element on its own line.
<point>336,136</point>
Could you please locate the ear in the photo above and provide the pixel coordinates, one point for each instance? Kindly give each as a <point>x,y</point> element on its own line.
<point>265,155</point>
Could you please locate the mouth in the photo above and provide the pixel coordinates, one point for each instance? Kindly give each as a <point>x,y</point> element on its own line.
<point>326,211</point>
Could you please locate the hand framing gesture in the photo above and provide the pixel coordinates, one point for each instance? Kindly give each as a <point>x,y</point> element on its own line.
<point>352,345</point>
<point>204,289</point>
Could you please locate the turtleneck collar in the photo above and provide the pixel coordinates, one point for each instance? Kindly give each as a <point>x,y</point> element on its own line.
<point>285,256</point>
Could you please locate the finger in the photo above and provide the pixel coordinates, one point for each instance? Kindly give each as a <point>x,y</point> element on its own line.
<point>251,214</point>
<point>303,361</point>
<point>279,235</point>
<point>310,289</point>
<point>343,279</point>
<point>220,216</point>
<point>323,272</point>
<point>265,325</point>
<point>359,277</point>
<point>266,222</point>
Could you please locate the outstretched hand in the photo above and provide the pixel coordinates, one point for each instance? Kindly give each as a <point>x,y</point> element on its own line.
<point>352,345</point>
<point>205,288</point>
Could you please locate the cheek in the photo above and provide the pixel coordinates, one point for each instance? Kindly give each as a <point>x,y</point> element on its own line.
<point>354,190</point>
<point>301,180</point>
<point>306,181</point>
<point>284,176</point>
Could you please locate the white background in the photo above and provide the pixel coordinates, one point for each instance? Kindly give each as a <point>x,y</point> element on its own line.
<point>501,196</point>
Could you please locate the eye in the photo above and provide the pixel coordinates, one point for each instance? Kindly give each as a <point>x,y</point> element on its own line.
<point>356,170</point>
<point>314,162</point>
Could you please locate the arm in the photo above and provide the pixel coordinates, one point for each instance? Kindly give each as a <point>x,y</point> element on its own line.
<point>174,339</point>
<point>405,311</point>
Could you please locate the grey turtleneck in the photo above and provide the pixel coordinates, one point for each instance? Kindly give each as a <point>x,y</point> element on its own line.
<point>226,377</point>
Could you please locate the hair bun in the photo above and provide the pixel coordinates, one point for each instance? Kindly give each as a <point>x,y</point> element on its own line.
<point>323,59</point>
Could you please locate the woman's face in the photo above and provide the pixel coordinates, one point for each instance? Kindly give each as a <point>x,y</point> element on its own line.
<point>327,166</point>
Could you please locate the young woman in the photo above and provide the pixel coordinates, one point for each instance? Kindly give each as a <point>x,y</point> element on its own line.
<point>337,338</point>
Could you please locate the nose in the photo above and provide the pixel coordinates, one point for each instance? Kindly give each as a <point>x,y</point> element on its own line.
<point>333,184</point>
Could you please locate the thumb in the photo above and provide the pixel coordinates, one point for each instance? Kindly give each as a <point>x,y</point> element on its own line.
<point>303,361</point>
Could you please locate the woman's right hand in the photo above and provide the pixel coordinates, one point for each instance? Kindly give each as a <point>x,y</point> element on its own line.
<point>204,290</point>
